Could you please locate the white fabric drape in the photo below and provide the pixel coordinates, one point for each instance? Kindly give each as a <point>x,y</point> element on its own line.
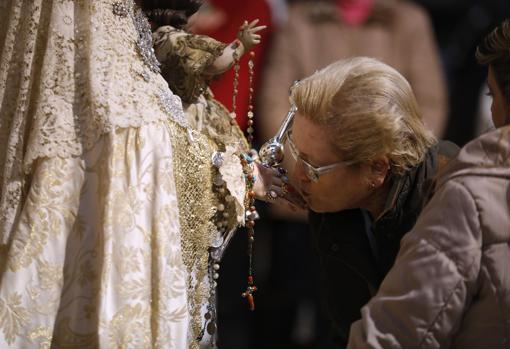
<point>90,240</point>
<point>95,259</point>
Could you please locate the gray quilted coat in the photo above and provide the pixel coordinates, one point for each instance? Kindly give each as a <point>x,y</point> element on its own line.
<point>450,284</point>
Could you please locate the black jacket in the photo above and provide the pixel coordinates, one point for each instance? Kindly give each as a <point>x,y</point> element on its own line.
<point>356,253</point>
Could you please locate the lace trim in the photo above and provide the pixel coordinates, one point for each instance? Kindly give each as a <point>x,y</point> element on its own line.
<point>232,173</point>
<point>91,81</point>
<point>70,71</point>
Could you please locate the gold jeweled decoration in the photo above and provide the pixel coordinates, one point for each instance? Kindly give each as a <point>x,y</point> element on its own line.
<point>197,206</point>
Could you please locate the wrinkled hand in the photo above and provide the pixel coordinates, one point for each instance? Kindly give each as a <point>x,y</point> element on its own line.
<point>272,185</point>
<point>247,34</point>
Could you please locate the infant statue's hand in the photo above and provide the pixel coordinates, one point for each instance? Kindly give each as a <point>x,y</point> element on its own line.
<point>272,185</point>
<point>247,34</point>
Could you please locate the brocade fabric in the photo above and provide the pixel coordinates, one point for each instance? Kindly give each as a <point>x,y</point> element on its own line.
<point>98,246</point>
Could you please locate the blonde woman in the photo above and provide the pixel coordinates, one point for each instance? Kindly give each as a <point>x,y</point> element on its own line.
<point>363,158</point>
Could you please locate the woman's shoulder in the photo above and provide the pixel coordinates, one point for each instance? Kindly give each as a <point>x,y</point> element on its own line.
<point>446,152</point>
<point>447,148</point>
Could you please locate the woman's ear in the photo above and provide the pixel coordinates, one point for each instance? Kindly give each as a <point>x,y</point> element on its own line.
<point>379,168</point>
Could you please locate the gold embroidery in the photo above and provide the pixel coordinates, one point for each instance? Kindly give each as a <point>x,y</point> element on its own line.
<point>42,335</point>
<point>43,302</point>
<point>94,143</point>
<point>135,289</point>
<point>12,316</point>
<point>129,328</point>
<point>184,58</point>
<point>50,210</point>
<point>50,275</point>
<point>66,276</point>
<point>193,176</point>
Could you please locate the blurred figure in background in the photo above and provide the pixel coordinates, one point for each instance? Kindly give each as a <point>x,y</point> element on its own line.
<point>459,26</point>
<point>317,33</point>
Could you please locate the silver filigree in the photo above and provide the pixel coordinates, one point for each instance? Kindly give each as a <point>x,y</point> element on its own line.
<point>170,103</point>
<point>217,241</point>
<point>173,106</point>
<point>144,42</point>
<point>217,252</point>
<point>145,75</point>
<point>217,159</point>
<point>120,9</point>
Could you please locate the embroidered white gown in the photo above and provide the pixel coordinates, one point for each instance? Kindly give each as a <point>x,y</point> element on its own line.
<point>90,238</point>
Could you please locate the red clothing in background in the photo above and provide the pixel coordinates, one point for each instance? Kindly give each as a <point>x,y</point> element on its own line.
<point>237,12</point>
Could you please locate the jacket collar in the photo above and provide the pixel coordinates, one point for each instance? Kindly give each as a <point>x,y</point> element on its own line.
<point>407,192</point>
<point>487,155</point>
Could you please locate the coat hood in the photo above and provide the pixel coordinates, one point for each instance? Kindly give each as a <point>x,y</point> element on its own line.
<point>487,155</point>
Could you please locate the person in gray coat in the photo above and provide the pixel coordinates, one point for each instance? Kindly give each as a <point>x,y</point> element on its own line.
<point>450,284</point>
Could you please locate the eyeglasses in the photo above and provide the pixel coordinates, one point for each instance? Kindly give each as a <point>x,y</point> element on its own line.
<point>313,173</point>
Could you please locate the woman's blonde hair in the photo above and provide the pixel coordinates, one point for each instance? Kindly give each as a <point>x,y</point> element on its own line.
<point>368,109</point>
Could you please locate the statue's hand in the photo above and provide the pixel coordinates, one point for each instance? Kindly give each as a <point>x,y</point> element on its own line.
<point>247,34</point>
<point>272,185</point>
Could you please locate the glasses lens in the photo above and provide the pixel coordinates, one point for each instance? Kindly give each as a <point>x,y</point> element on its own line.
<point>293,150</point>
<point>311,173</point>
